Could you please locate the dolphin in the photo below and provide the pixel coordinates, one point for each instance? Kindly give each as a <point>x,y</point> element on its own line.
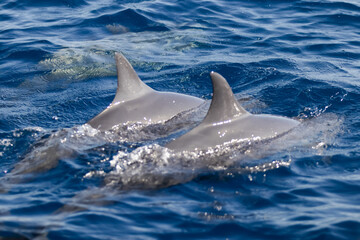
<point>226,121</point>
<point>136,102</point>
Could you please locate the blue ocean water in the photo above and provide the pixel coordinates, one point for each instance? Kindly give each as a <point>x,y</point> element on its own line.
<point>61,179</point>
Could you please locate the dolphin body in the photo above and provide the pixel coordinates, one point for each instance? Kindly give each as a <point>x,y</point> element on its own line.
<point>136,102</point>
<point>227,121</point>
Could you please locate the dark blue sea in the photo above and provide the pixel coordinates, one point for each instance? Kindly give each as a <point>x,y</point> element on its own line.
<point>62,179</point>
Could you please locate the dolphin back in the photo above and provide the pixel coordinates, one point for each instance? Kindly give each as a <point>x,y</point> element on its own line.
<point>226,121</point>
<point>136,102</point>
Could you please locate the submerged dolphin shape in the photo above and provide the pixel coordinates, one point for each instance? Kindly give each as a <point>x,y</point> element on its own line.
<point>227,121</point>
<point>137,102</point>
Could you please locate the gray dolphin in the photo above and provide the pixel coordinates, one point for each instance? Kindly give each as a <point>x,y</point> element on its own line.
<point>227,121</point>
<point>137,102</point>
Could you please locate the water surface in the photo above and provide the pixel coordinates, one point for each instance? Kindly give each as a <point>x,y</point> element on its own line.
<point>61,179</point>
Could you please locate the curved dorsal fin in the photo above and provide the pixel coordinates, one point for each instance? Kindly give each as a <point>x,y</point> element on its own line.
<point>224,105</point>
<point>129,84</point>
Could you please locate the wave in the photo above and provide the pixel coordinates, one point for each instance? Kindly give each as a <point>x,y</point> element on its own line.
<point>128,20</point>
<point>23,4</point>
<point>293,58</point>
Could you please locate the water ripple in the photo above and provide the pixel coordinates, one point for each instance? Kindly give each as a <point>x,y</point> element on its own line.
<point>293,58</point>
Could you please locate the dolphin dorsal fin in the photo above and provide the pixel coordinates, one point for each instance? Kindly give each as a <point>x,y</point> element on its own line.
<point>129,84</point>
<point>224,105</point>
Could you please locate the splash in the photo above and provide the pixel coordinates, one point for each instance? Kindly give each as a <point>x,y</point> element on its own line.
<point>131,156</point>
<point>69,143</point>
<point>4,144</point>
<point>153,166</point>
